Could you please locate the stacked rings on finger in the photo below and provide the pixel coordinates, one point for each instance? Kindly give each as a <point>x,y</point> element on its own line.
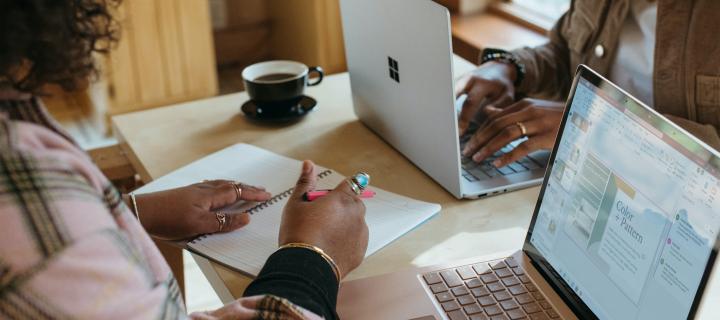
<point>238,190</point>
<point>523,128</point>
<point>221,218</point>
<point>359,182</point>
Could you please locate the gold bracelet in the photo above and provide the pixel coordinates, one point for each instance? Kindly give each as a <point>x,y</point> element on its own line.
<point>135,207</point>
<point>317,250</point>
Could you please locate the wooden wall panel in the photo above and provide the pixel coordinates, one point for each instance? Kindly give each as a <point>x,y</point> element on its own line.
<point>146,49</point>
<point>242,32</point>
<point>198,48</point>
<point>121,70</point>
<point>293,30</point>
<point>169,29</point>
<point>332,43</point>
<point>165,56</point>
<point>309,31</point>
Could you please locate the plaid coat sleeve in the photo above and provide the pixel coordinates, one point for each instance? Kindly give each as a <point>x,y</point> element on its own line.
<point>69,247</point>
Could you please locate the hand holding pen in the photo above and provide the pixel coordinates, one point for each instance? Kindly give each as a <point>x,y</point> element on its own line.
<point>334,223</point>
<point>358,183</point>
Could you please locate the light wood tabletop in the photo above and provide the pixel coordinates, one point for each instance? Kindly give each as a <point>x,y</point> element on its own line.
<point>161,140</point>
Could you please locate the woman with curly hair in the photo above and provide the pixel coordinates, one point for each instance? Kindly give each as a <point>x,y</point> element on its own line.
<point>71,246</point>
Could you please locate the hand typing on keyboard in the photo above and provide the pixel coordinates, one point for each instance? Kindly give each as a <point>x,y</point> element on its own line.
<point>473,171</point>
<point>538,120</point>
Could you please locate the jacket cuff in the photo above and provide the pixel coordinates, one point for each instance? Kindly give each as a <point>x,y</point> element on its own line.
<point>301,276</point>
<point>527,57</point>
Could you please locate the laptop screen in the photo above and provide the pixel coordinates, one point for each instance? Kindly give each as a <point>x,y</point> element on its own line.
<point>630,209</point>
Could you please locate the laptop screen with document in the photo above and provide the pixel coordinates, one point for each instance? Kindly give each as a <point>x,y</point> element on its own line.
<point>629,214</point>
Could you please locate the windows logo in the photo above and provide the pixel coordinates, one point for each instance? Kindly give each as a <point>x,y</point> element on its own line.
<point>394,69</point>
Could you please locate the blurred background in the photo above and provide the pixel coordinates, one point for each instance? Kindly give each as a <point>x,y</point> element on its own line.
<point>173,51</point>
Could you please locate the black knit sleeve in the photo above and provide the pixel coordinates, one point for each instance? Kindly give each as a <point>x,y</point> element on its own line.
<point>301,276</point>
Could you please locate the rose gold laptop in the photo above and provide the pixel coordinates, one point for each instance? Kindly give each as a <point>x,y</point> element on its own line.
<point>625,227</point>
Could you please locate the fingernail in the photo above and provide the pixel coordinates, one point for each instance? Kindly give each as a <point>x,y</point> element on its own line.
<point>497,163</point>
<point>246,214</point>
<point>306,167</point>
<point>480,155</point>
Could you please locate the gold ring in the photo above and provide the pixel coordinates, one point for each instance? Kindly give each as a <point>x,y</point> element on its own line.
<point>523,128</point>
<point>221,218</point>
<point>238,191</point>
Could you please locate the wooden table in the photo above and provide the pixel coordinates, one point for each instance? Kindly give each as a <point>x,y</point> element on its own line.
<point>161,140</point>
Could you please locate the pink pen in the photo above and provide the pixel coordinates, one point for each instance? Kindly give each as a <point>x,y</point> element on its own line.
<point>313,195</point>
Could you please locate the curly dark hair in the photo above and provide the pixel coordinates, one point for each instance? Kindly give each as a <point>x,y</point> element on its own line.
<point>52,41</point>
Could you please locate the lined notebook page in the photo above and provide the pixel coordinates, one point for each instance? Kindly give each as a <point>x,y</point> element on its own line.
<point>388,215</point>
<point>241,162</point>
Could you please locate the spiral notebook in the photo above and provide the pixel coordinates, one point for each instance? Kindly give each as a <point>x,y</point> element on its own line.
<point>388,215</point>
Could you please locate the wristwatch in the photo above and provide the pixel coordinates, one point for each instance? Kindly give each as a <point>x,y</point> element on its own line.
<point>492,54</point>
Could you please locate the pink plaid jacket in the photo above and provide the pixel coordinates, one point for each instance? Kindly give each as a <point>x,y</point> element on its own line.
<point>69,246</point>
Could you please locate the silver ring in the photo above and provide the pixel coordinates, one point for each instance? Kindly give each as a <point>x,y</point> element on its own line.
<point>361,179</point>
<point>354,186</point>
<point>221,218</point>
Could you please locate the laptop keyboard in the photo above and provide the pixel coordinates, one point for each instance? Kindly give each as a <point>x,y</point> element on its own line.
<point>473,171</point>
<point>496,290</point>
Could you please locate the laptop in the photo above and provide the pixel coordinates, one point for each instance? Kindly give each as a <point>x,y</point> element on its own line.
<point>400,60</point>
<point>625,227</point>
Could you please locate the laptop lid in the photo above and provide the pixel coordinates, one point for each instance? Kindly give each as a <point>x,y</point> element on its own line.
<point>627,220</point>
<point>399,57</point>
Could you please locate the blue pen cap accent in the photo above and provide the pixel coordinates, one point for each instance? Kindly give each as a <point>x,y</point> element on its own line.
<point>362,179</point>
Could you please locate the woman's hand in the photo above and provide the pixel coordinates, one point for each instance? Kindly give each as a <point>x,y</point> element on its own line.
<point>541,118</point>
<point>334,223</point>
<point>490,85</point>
<point>190,211</point>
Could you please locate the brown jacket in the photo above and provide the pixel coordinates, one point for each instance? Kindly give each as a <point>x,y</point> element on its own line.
<point>687,56</point>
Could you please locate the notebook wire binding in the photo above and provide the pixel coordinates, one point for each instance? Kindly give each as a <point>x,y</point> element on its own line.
<point>261,206</point>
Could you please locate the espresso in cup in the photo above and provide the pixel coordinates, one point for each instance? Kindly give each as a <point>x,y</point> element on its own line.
<point>277,86</point>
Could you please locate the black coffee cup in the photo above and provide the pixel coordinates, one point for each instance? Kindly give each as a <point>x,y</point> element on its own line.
<point>279,85</point>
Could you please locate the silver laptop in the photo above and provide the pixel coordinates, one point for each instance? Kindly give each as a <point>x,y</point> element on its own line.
<point>399,56</point>
<point>625,227</point>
